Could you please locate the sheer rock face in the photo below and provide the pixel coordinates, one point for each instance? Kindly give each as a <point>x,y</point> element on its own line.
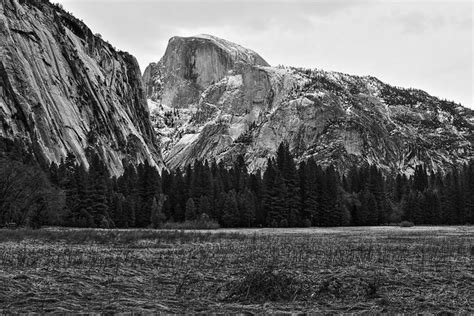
<point>191,64</point>
<point>63,89</point>
<point>217,106</point>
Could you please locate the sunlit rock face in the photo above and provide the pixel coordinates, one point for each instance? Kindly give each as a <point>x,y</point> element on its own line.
<point>212,99</point>
<point>64,89</point>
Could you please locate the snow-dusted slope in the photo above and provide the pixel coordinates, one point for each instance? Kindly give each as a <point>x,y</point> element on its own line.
<point>64,90</point>
<point>249,108</point>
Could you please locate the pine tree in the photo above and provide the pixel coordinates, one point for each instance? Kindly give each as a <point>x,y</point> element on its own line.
<point>230,211</point>
<point>469,193</point>
<point>353,180</point>
<point>190,213</point>
<point>178,209</point>
<point>247,208</point>
<point>117,212</point>
<point>453,199</point>
<point>431,208</point>
<point>255,187</point>
<point>330,215</point>
<point>127,185</point>
<point>204,206</point>
<point>309,181</point>
<point>157,216</point>
<point>98,199</point>
<point>129,213</point>
<point>35,217</point>
<point>148,188</point>
<point>420,179</point>
<point>368,209</point>
<point>240,174</point>
<point>78,199</point>
<point>287,171</point>
<point>178,193</point>
<point>54,174</point>
<point>274,197</point>
<point>418,205</point>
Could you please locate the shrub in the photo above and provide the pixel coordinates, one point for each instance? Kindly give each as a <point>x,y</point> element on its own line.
<point>406,224</point>
<point>196,224</point>
<point>307,223</point>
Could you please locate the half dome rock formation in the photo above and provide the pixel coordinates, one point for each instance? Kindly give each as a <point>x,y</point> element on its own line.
<point>212,99</point>
<point>191,64</point>
<point>65,90</point>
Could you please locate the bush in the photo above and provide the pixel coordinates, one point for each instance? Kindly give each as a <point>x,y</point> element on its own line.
<point>307,223</point>
<point>196,224</point>
<point>406,224</point>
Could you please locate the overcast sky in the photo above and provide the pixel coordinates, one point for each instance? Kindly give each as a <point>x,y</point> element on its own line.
<point>420,44</point>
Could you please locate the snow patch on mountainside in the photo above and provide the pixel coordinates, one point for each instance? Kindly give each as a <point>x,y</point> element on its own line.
<point>238,52</point>
<point>187,139</point>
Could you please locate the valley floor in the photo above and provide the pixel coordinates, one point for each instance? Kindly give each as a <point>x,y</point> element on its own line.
<point>330,270</point>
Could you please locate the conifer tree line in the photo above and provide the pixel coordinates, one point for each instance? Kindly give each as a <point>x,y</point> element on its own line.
<point>284,195</point>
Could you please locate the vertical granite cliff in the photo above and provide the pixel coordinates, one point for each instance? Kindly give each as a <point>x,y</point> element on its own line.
<point>65,90</point>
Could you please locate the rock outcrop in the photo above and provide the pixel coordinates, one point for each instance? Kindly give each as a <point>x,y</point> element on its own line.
<point>211,99</point>
<point>191,64</point>
<point>65,90</point>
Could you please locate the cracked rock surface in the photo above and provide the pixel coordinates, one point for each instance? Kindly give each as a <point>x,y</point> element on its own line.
<point>212,99</point>
<point>65,90</point>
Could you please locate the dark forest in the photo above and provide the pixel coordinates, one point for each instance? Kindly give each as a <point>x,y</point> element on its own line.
<point>284,195</point>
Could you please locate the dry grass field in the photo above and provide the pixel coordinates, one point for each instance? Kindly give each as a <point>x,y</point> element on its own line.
<point>343,270</point>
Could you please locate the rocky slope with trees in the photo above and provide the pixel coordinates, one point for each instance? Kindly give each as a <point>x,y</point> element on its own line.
<point>235,104</point>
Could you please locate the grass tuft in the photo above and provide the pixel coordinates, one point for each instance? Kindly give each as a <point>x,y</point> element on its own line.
<point>267,284</point>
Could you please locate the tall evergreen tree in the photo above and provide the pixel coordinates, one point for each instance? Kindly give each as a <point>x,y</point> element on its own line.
<point>117,212</point>
<point>309,180</point>
<point>190,213</point>
<point>247,207</point>
<point>204,206</point>
<point>97,185</point>
<point>275,194</point>
<point>157,216</point>
<point>230,212</point>
<point>368,209</point>
<point>330,214</point>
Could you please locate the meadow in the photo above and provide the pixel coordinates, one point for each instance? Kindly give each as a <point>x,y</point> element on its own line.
<point>333,270</point>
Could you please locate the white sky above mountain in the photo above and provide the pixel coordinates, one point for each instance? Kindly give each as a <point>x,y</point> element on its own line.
<point>420,44</point>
